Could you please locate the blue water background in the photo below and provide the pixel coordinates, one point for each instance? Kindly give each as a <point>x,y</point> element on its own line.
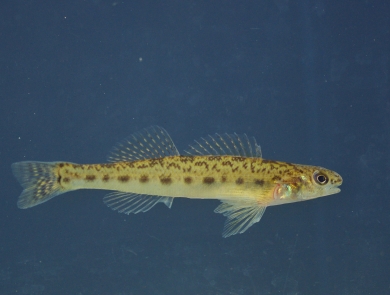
<point>308,79</point>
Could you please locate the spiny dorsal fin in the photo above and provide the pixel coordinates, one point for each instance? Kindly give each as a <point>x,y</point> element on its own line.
<point>240,216</point>
<point>134,203</point>
<point>152,142</point>
<point>226,144</point>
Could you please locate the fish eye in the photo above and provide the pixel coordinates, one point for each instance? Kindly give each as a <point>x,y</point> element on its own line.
<point>320,178</point>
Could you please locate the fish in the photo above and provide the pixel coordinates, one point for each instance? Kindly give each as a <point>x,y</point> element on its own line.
<point>146,169</point>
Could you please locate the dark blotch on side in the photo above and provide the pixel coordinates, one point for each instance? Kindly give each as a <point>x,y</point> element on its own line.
<point>90,177</point>
<point>165,180</point>
<point>187,180</point>
<point>143,179</point>
<point>276,177</point>
<point>107,165</point>
<point>239,180</point>
<point>238,159</point>
<point>106,178</point>
<point>223,179</point>
<point>208,180</point>
<point>259,182</point>
<point>124,178</point>
<point>66,179</point>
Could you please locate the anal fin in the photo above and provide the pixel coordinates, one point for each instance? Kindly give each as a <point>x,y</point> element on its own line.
<point>240,216</point>
<point>134,203</point>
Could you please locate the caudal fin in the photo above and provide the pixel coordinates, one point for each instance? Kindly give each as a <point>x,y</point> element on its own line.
<point>39,181</point>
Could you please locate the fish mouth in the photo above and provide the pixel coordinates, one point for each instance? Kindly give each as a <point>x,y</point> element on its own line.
<point>333,190</point>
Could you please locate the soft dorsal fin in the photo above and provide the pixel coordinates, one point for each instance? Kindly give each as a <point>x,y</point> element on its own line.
<point>152,142</point>
<point>226,144</point>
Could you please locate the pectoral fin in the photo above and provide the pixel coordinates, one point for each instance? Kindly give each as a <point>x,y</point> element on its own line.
<point>240,216</point>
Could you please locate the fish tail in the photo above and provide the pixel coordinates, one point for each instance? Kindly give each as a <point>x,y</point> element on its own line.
<point>40,181</point>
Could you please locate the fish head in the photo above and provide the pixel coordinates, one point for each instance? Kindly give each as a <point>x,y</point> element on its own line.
<point>317,182</point>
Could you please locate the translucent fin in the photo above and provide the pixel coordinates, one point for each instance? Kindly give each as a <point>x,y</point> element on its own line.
<point>152,142</point>
<point>226,144</point>
<point>39,181</point>
<point>133,203</point>
<point>239,217</point>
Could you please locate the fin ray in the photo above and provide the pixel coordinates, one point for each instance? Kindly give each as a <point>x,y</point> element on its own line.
<point>240,216</point>
<point>134,203</point>
<point>152,142</point>
<point>226,144</point>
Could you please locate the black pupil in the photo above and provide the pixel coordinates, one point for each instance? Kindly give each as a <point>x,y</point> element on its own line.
<point>321,178</point>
